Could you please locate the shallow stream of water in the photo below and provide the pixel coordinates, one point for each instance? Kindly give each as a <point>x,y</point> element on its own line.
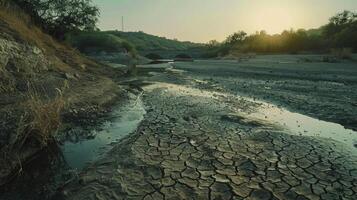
<point>124,121</point>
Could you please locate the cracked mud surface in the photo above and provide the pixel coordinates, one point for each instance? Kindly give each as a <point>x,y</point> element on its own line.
<point>196,145</point>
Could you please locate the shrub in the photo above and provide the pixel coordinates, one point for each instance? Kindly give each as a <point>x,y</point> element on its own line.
<point>153,56</point>
<point>89,42</point>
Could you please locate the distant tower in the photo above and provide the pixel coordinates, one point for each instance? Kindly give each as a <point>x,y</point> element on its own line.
<point>122,23</point>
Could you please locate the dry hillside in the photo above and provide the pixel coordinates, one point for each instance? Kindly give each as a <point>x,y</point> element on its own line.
<point>43,86</point>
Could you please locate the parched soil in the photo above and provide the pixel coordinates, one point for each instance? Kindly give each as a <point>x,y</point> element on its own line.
<point>196,143</point>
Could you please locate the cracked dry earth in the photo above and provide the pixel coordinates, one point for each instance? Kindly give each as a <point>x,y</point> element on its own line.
<point>198,145</point>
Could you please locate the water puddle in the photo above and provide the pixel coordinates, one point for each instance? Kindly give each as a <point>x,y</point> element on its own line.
<point>175,71</point>
<point>181,90</point>
<point>299,124</point>
<point>293,123</point>
<point>125,120</point>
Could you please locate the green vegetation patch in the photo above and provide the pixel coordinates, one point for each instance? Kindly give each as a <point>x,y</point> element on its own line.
<point>144,42</point>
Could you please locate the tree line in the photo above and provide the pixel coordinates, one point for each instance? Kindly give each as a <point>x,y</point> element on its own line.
<point>339,33</point>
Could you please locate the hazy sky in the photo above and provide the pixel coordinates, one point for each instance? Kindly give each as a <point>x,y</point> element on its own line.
<point>204,20</point>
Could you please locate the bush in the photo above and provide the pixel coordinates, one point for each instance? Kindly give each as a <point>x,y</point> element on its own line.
<point>94,42</point>
<point>149,43</point>
<point>153,56</point>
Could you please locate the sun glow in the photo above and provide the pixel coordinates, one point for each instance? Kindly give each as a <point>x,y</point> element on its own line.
<point>273,19</point>
<point>204,20</point>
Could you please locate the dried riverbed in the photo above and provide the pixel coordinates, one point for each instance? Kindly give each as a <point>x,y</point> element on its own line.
<point>199,141</point>
<point>181,135</point>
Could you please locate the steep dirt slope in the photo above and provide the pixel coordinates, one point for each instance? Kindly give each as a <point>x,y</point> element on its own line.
<point>40,77</point>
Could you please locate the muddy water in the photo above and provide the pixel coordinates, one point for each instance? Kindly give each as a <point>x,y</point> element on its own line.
<point>292,123</point>
<point>124,121</point>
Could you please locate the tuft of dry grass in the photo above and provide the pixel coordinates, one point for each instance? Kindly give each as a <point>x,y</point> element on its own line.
<point>6,82</point>
<point>41,120</point>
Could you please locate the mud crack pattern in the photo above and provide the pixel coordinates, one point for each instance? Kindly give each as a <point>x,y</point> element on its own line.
<point>187,148</point>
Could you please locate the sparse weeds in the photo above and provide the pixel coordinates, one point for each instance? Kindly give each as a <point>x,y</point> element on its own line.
<point>6,83</point>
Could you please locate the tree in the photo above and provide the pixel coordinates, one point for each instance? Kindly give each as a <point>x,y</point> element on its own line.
<point>342,30</point>
<point>338,22</point>
<point>236,38</point>
<point>61,16</point>
<point>213,44</point>
<point>343,18</point>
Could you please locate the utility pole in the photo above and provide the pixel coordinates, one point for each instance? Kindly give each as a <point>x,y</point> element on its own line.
<point>122,23</point>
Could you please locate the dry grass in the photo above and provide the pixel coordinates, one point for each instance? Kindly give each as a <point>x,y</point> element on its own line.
<point>41,120</point>
<point>21,27</point>
<point>6,82</point>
